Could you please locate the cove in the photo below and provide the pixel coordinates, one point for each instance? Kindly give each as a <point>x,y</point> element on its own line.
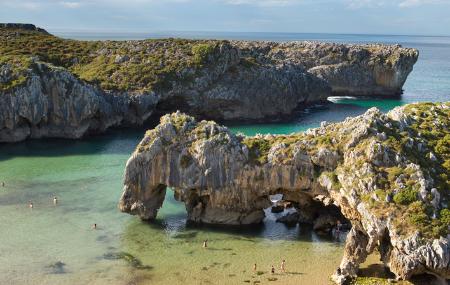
<point>55,244</point>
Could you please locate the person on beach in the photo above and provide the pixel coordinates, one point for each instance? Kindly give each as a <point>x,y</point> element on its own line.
<point>55,200</point>
<point>283,266</point>
<point>338,226</point>
<point>205,243</point>
<point>272,270</point>
<point>94,226</point>
<point>254,267</point>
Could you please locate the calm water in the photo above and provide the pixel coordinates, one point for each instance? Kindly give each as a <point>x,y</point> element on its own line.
<point>55,245</point>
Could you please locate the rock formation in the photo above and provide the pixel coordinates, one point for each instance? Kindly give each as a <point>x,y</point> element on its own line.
<point>52,87</point>
<point>387,173</point>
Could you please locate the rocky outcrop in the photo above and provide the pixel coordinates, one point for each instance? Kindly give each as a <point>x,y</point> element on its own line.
<point>21,26</point>
<point>355,165</point>
<point>118,83</point>
<point>54,103</point>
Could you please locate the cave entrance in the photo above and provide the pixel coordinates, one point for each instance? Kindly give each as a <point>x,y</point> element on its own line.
<point>300,210</point>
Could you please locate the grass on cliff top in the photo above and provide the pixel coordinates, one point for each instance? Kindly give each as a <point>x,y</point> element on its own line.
<point>20,66</point>
<point>127,66</point>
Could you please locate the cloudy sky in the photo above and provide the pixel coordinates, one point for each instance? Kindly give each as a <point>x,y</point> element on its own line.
<point>419,17</point>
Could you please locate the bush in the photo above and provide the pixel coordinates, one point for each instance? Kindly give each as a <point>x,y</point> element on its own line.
<point>445,217</point>
<point>406,196</point>
<point>201,53</point>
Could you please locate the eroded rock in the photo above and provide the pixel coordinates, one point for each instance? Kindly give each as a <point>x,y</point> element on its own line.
<point>227,179</point>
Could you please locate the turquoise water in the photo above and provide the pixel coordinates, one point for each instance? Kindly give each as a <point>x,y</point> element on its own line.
<point>54,244</point>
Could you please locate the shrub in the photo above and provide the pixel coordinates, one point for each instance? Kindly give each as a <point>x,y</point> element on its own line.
<point>258,149</point>
<point>201,52</point>
<point>445,217</point>
<point>406,196</point>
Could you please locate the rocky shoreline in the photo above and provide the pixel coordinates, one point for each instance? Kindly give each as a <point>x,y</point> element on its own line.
<point>52,87</point>
<point>385,173</point>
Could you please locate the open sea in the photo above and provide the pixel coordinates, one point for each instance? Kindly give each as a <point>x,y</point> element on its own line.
<point>55,245</point>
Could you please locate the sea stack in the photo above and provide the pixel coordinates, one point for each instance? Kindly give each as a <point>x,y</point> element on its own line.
<point>386,173</point>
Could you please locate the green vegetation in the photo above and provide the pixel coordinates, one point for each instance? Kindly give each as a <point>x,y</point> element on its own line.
<point>140,66</point>
<point>18,68</point>
<point>433,125</point>
<point>202,52</point>
<point>445,217</point>
<point>376,281</point>
<point>406,196</point>
<point>258,148</point>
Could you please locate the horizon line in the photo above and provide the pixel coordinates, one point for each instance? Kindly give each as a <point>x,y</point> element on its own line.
<point>156,32</point>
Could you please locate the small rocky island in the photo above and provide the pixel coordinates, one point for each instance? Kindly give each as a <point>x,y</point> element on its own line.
<point>388,174</point>
<point>54,87</point>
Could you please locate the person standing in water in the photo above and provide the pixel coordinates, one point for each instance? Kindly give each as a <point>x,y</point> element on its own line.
<point>55,200</point>
<point>30,204</point>
<point>272,270</point>
<point>3,183</point>
<point>205,243</point>
<point>94,226</point>
<point>283,266</point>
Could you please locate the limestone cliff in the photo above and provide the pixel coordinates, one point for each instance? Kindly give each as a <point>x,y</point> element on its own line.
<point>53,87</point>
<point>387,173</point>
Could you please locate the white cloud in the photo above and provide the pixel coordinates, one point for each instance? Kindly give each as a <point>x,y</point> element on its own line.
<point>70,5</point>
<point>357,4</point>
<point>267,3</point>
<point>27,5</point>
<point>411,3</point>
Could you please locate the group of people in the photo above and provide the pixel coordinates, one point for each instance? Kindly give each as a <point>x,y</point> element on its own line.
<point>55,201</point>
<point>272,269</point>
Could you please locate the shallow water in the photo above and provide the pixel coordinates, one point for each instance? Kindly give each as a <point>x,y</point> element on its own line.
<point>86,178</point>
<point>55,245</point>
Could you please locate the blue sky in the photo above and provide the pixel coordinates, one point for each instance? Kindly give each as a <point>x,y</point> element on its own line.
<point>419,17</point>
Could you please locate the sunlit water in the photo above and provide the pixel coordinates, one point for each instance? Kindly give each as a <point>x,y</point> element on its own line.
<point>54,244</point>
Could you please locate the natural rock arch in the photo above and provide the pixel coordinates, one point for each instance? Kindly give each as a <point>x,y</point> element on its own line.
<point>225,179</point>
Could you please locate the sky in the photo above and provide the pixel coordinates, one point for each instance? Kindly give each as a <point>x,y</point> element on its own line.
<point>389,17</point>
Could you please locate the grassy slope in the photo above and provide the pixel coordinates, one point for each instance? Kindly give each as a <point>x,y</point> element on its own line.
<point>146,65</point>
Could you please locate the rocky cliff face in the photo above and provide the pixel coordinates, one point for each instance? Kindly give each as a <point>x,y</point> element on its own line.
<point>54,103</point>
<point>115,83</point>
<point>387,173</point>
